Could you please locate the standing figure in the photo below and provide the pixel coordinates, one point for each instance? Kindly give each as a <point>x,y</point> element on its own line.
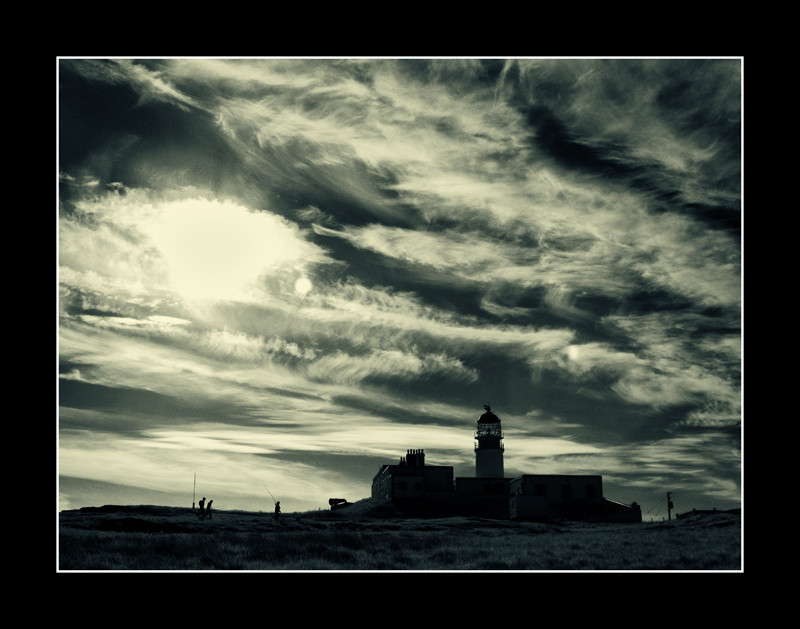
<point>277,509</point>
<point>202,514</point>
<point>208,509</point>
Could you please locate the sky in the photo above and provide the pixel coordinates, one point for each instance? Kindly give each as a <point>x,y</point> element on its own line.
<point>276,275</point>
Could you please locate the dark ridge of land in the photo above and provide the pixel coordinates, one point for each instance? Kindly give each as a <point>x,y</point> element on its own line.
<point>365,515</point>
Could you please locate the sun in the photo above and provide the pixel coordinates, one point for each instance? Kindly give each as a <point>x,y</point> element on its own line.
<point>219,250</point>
<point>303,286</point>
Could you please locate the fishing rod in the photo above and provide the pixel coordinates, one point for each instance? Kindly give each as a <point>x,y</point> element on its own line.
<point>270,494</point>
<point>194,488</point>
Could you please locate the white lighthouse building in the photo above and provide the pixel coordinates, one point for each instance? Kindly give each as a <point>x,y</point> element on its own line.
<point>489,446</point>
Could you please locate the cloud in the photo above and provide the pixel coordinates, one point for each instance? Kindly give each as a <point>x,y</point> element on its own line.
<point>683,115</point>
<point>392,365</point>
<point>200,248</point>
<point>168,320</point>
<point>218,250</point>
<point>669,370</point>
<point>722,413</point>
<point>571,247</point>
<point>583,359</point>
<point>466,255</point>
<point>313,214</point>
<point>374,317</point>
<point>150,84</point>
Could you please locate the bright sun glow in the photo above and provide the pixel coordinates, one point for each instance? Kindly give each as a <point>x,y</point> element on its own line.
<point>303,286</point>
<point>218,250</point>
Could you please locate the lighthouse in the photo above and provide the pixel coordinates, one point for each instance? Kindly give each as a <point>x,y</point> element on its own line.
<point>489,446</point>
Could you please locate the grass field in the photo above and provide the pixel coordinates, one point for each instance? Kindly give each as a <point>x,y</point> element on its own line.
<point>165,538</point>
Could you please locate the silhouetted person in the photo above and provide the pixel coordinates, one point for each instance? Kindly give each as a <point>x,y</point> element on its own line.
<point>277,509</point>
<point>202,514</point>
<point>208,509</point>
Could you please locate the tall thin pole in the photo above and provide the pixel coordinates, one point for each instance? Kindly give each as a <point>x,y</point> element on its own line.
<point>194,488</point>
<point>669,506</point>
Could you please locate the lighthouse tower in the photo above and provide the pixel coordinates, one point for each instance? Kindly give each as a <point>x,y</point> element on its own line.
<point>489,446</point>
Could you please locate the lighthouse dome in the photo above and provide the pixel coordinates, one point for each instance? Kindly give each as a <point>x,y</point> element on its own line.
<point>489,418</point>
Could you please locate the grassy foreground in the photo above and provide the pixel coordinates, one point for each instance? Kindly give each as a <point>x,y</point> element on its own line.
<point>163,538</point>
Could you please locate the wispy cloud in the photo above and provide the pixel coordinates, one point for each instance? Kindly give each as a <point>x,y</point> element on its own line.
<point>392,365</point>
<point>151,85</point>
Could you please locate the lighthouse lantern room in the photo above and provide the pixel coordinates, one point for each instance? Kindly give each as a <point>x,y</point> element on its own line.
<point>489,446</point>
